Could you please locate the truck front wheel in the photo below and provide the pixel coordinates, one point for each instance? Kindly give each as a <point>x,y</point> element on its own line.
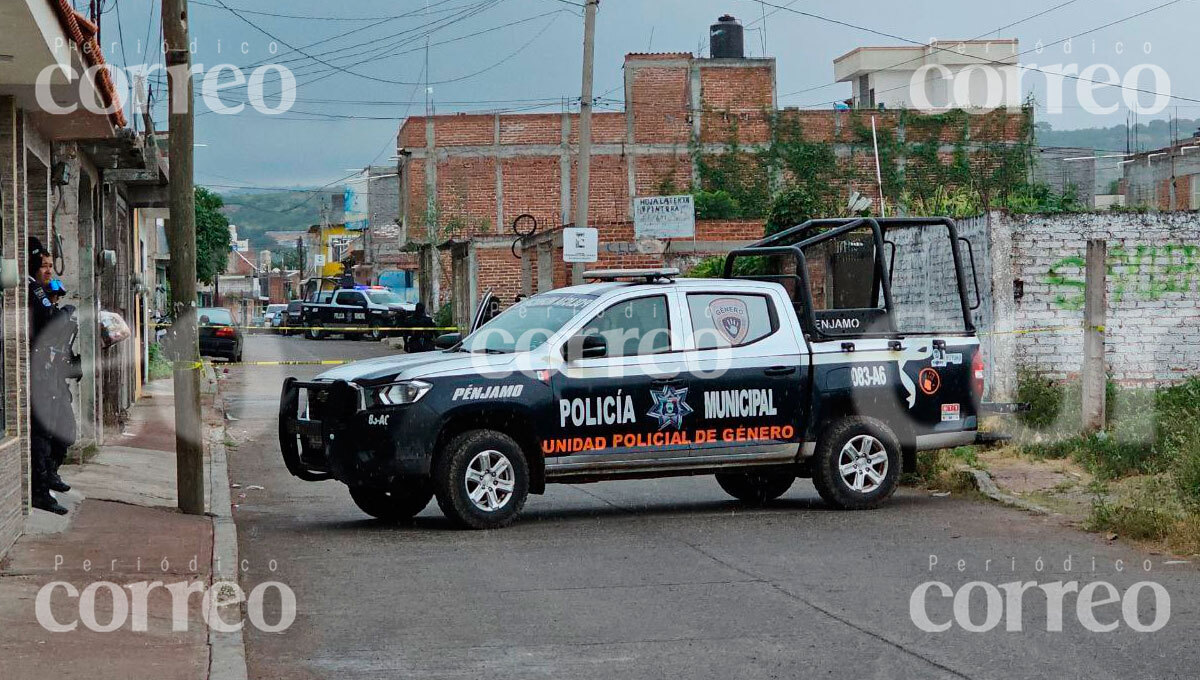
<point>756,487</point>
<point>856,464</point>
<point>481,480</point>
<point>400,502</point>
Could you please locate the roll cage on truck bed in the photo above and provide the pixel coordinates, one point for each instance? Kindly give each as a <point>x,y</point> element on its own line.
<point>849,345</point>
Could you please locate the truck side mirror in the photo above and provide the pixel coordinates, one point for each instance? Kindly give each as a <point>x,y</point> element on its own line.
<point>447,340</point>
<point>585,347</point>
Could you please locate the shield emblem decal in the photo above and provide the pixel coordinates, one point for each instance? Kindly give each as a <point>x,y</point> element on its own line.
<point>731,316</point>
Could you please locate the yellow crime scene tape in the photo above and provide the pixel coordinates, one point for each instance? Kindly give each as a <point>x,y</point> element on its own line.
<point>336,329</point>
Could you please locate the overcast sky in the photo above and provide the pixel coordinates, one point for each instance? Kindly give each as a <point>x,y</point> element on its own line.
<point>341,121</point>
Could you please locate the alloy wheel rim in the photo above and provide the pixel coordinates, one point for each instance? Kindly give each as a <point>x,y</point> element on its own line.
<point>490,480</point>
<point>863,464</point>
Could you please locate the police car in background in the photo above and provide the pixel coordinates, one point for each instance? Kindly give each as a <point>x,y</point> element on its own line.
<point>834,350</point>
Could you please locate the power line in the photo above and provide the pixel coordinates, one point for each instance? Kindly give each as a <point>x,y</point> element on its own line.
<point>497,64</point>
<point>310,56</point>
<point>1000,63</point>
<point>922,57</point>
<point>308,16</point>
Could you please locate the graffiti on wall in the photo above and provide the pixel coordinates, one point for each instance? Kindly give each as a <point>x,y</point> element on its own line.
<point>1143,272</point>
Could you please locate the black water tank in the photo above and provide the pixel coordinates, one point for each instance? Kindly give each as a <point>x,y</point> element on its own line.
<point>725,39</point>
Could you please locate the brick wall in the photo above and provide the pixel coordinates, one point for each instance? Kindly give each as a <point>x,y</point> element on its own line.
<point>490,168</point>
<point>1153,328</point>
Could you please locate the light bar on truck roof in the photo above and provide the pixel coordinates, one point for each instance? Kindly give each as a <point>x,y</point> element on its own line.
<point>648,275</point>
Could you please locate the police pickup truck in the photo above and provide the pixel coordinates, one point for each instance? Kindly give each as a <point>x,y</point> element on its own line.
<point>833,350</point>
<point>363,311</point>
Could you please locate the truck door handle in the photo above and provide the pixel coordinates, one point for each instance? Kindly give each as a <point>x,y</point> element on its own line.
<point>663,382</point>
<point>780,370</point>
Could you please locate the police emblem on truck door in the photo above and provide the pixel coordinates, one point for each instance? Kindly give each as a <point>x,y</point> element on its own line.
<point>732,317</point>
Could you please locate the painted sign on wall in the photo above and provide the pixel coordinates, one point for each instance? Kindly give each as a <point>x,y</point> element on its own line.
<point>664,216</point>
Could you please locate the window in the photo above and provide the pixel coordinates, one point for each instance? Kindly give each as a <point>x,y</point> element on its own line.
<point>846,285</point>
<point>527,324</point>
<point>385,297</point>
<point>924,282</point>
<point>214,316</point>
<point>634,327</point>
<point>352,299</point>
<point>730,320</point>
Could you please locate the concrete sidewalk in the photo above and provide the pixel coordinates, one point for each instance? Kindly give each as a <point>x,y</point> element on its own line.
<point>123,529</point>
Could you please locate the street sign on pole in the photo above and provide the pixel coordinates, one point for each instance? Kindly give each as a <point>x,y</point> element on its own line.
<point>580,244</point>
<point>664,216</point>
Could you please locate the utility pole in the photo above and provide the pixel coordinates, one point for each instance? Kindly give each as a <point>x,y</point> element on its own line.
<point>189,443</point>
<point>1095,305</point>
<point>585,113</point>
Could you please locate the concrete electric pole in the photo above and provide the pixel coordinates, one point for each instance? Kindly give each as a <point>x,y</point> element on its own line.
<point>585,113</point>
<point>189,442</point>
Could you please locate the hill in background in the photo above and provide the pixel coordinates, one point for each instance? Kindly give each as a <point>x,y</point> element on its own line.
<point>256,213</point>
<point>1153,135</point>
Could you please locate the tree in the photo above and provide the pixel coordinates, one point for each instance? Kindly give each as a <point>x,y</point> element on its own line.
<point>212,236</point>
<point>289,258</point>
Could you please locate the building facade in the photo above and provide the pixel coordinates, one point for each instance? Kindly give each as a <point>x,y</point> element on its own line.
<point>86,186</point>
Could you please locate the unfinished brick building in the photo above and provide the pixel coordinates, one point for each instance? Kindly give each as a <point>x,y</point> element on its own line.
<point>466,177</point>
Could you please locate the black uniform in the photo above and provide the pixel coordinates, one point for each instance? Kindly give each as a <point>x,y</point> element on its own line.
<point>419,341</point>
<point>45,416</point>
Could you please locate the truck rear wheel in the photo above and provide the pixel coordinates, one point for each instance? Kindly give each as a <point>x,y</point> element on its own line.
<point>481,480</point>
<point>856,464</point>
<point>756,487</point>
<point>403,501</point>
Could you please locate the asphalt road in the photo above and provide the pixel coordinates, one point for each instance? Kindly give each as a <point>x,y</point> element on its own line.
<point>669,578</point>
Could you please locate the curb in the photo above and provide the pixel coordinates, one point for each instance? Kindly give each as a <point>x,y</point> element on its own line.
<point>227,651</point>
<point>986,486</point>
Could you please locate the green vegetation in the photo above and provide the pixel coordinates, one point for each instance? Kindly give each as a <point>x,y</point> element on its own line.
<point>212,236</point>
<point>159,367</point>
<point>1146,462</point>
<point>445,315</point>
<point>1153,135</point>
<point>257,213</point>
<point>790,179</point>
<point>941,469</point>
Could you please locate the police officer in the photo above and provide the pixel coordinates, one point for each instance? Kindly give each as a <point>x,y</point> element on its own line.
<point>419,341</point>
<point>45,415</point>
<point>60,334</point>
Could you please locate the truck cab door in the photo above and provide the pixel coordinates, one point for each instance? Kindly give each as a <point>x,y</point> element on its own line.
<point>487,308</point>
<point>748,369</point>
<point>628,408</point>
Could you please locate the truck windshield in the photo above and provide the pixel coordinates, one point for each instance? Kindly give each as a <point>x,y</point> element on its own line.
<point>385,297</point>
<point>526,325</point>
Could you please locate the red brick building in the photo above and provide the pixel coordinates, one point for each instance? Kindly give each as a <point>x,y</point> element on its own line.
<point>464,178</point>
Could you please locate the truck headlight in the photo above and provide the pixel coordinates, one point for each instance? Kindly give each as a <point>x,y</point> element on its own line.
<point>406,392</point>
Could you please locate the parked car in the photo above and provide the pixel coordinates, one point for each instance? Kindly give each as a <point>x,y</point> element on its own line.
<point>219,337</point>
<point>814,368</point>
<point>271,318</point>
<point>291,318</point>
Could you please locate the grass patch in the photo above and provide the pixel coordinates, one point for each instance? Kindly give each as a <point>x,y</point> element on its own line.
<point>159,367</point>
<point>1146,462</point>
<point>939,469</point>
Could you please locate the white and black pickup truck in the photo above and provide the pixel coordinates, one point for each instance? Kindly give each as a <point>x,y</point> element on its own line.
<point>834,350</point>
<point>363,311</point>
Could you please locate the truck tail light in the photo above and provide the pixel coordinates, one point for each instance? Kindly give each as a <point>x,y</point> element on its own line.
<point>226,332</point>
<point>977,375</point>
